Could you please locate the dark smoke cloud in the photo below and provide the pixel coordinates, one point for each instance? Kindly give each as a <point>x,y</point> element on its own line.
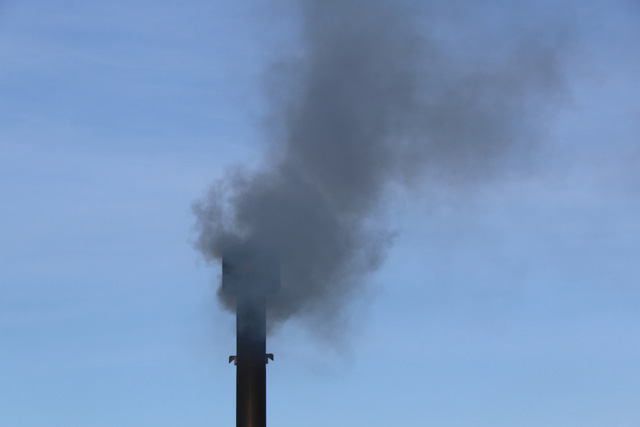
<point>374,101</point>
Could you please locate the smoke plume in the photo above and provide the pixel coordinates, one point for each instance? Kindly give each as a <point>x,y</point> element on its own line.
<point>376,100</point>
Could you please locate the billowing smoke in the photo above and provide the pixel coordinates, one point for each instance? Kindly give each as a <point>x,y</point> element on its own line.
<point>374,101</point>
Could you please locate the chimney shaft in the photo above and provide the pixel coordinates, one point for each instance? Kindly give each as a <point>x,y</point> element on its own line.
<point>251,382</point>
<point>250,274</point>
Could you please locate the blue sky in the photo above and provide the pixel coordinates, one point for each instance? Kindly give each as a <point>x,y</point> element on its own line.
<point>515,303</point>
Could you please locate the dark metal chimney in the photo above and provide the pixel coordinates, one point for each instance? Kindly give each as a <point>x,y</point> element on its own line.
<point>250,274</point>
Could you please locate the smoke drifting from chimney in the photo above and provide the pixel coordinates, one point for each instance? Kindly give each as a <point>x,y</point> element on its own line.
<point>375,100</point>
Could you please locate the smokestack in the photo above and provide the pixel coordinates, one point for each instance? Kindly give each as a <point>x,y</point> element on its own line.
<point>250,275</point>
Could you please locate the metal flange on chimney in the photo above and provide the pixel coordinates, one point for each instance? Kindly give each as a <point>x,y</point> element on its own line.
<point>250,273</point>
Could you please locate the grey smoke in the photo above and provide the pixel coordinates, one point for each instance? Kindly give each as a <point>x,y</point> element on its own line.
<point>374,101</point>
